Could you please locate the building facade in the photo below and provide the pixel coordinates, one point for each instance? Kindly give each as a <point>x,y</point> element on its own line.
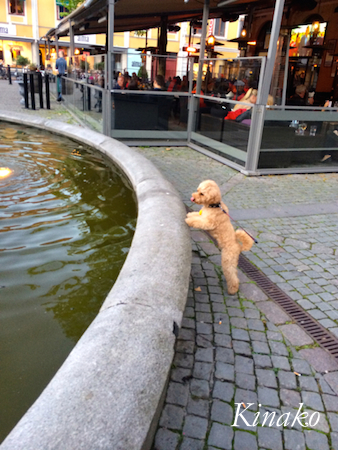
<point>24,23</point>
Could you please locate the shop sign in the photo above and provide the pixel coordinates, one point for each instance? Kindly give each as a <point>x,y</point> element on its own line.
<point>7,29</point>
<point>211,27</point>
<point>85,39</point>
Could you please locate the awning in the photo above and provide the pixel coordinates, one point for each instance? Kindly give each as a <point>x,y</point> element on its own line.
<point>58,3</point>
<point>89,18</point>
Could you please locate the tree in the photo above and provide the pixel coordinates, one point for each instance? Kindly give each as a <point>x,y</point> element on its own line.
<point>140,32</point>
<point>70,6</point>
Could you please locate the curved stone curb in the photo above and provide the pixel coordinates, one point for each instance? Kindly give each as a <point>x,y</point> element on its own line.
<point>107,394</point>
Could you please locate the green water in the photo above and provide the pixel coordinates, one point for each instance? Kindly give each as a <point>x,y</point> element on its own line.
<point>67,218</point>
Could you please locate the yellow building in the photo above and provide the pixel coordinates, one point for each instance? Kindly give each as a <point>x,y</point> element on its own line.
<point>25,22</point>
<point>22,25</point>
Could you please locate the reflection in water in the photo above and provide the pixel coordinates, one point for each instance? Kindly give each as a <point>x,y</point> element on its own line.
<point>66,223</point>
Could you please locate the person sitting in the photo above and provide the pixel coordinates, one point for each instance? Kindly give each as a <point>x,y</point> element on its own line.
<point>159,83</point>
<point>241,112</point>
<point>299,98</point>
<point>250,98</point>
<point>120,82</point>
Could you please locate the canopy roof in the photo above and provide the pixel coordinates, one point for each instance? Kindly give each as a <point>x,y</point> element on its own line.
<point>144,14</point>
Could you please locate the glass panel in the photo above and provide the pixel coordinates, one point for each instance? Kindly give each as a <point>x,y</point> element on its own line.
<point>230,78</point>
<point>223,136</point>
<point>149,115</point>
<point>150,96</point>
<point>142,65</point>
<point>299,139</point>
<point>85,100</point>
<point>226,101</point>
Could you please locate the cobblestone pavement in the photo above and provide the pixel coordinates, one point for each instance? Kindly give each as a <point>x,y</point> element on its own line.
<point>299,254</point>
<point>244,348</point>
<point>232,352</point>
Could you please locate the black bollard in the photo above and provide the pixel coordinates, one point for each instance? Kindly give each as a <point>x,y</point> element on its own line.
<point>40,88</point>
<point>9,74</point>
<point>47,91</point>
<point>88,98</point>
<point>25,88</point>
<point>31,82</point>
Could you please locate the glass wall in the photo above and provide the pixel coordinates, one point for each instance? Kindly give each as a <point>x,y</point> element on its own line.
<point>151,103</point>
<point>225,117</point>
<point>300,139</point>
<point>225,106</point>
<point>85,100</point>
<point>149,114</point>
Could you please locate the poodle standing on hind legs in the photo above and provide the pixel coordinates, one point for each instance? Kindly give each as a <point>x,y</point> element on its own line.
<point>214,218</point>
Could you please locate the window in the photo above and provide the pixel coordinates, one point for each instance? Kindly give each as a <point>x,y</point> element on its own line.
<point>16,7</point>
<point>59,10</point>
<point>220,28</point>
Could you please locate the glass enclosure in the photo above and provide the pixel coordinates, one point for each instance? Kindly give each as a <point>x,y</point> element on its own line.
<point>219,118</point>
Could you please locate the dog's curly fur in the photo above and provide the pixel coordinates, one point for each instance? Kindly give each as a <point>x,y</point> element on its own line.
<point>218,224</point>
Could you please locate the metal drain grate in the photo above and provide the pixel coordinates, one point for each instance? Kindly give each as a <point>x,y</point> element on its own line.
<point>324,338</point>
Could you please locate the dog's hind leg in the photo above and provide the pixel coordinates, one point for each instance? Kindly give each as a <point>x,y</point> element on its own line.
<point>229,266</point>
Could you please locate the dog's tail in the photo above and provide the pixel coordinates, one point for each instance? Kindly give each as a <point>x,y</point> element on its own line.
<point>244,239</point>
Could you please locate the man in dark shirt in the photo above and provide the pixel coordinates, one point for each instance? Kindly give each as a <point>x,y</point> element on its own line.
<point>60,66</point>
<point>300,97</point>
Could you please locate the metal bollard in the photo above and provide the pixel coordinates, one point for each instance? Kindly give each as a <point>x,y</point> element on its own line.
<point>47,91</point>
<point>31,82</point>
<point>88,98</point>
<point>25,87</point>
<point>9,74</point>
<point>40,89</point>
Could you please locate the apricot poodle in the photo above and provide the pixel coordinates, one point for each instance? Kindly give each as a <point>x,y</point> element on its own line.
<point>214,218</point>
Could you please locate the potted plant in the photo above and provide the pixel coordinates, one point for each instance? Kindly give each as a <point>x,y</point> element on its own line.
<point>84,66</point>
<point>22,61</point>
<point>99,66</point>
<point>32,67</point>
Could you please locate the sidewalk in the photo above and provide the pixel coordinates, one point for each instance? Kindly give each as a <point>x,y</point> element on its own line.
<point>244,348</point>
<point>10,101</point>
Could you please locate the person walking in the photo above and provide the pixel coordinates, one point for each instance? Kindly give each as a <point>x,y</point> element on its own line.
<point>60,66</point>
